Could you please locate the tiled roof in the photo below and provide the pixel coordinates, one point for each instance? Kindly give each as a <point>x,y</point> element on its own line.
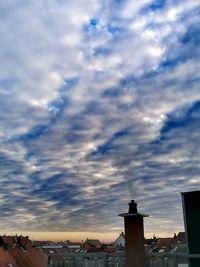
<point>5,258</point>
<point>110,249</point>
<point>19,252</point>
<point>32,257</point>
<point>48,251</point>
<point>93,243</point>
<point>9,240</point>
<point>164,242</point>
<point>24,240</point>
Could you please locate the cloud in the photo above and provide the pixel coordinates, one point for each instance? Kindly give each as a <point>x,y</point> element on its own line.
<point>99,104</point>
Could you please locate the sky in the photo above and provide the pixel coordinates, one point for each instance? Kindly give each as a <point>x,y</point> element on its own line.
<point>99,104</point>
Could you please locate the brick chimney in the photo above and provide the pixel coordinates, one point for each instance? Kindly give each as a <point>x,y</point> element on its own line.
<point>134,236</point>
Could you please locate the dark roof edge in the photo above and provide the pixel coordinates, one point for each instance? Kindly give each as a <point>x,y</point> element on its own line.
<point>188,192</point>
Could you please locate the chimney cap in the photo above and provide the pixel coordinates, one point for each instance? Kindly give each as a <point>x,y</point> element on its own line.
<point>132,207</point>
<point>132,211</point>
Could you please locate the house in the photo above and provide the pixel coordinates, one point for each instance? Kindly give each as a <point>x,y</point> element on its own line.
<point>176,244</point>
<point>164,245</point>
<point>120,241</point>
<point>180,243</point>
<point>180,238</point>
<point>92,245</point>
<point>150,244</point>
<point>151,241</point>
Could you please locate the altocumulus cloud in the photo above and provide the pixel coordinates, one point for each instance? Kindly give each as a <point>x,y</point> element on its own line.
<point>99,104</point>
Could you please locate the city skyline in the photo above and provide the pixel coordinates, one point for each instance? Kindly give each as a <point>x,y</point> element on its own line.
<point>100,104</point>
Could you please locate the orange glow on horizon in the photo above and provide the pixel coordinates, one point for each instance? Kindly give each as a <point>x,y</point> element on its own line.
<point>62,236</point>
<point>79,236</point>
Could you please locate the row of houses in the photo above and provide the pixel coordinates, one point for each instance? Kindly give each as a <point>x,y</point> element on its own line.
<point>19,251</point>
<point>161,245</point>
<point>89,246</point>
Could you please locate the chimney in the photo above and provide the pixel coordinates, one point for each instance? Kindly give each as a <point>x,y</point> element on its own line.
<point>134,236</point>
